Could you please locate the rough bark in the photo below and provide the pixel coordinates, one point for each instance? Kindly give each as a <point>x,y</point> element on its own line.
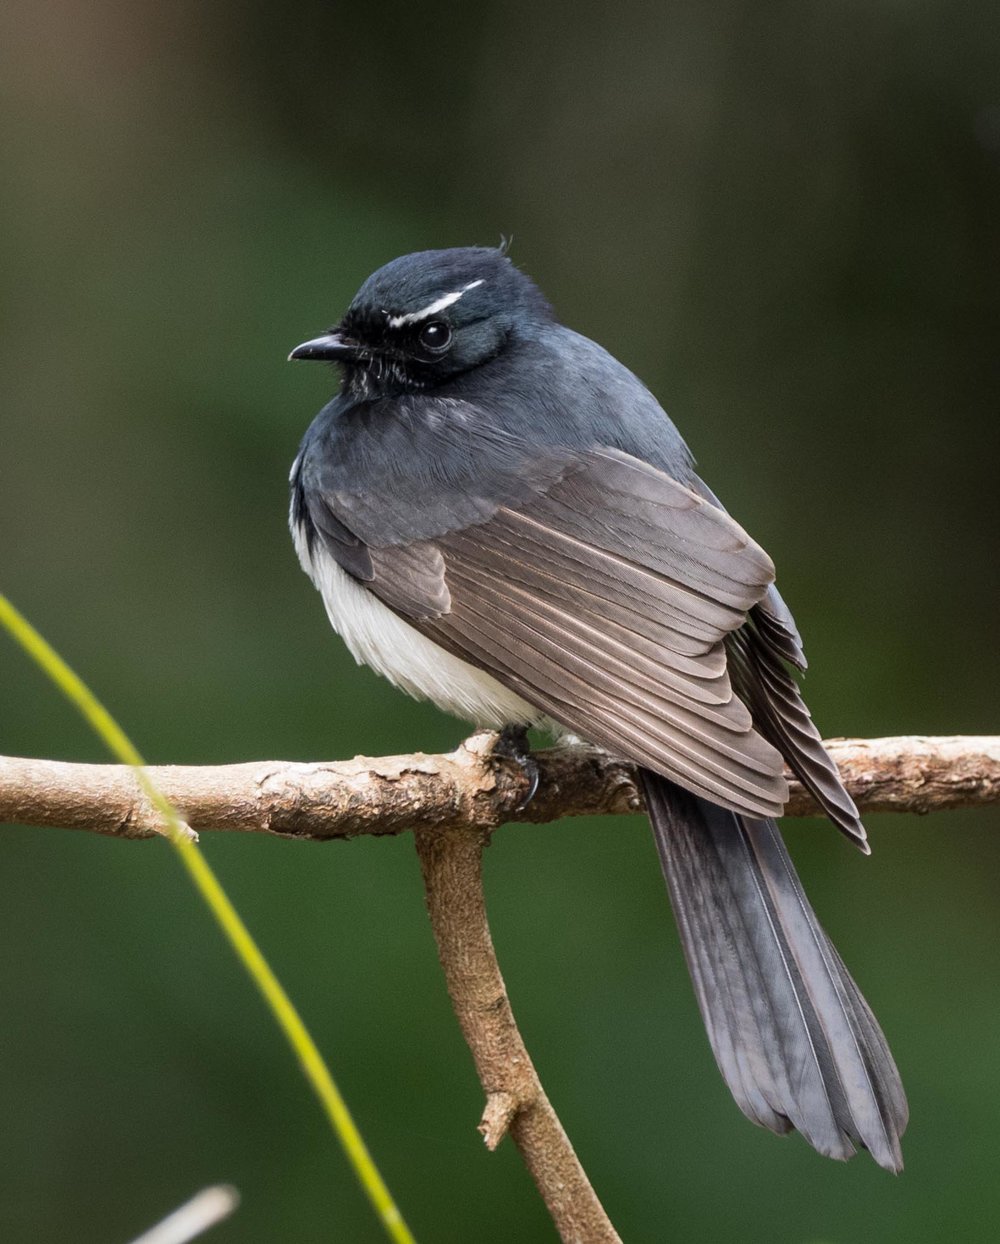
<point>468,787</point>
<point>451,861</point>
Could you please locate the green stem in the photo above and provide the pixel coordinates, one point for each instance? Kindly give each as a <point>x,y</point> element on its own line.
<point>247,951</point>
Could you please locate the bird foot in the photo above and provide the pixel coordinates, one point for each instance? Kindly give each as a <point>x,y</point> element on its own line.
<point>512,744</point>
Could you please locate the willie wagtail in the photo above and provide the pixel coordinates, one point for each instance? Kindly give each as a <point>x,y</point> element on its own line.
<point>501,518</point>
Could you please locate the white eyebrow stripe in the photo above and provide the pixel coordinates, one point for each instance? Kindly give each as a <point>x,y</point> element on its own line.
<point>432,308</point>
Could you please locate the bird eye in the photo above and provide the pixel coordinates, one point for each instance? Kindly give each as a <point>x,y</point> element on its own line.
<point>435,336</point>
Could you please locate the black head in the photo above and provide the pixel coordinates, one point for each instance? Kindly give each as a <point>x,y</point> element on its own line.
<point>427,316</point>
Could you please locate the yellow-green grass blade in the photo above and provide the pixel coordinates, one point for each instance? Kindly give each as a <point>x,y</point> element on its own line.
<point>247,951</point>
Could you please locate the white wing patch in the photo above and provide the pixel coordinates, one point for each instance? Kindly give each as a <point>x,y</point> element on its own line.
<point>433,308</point>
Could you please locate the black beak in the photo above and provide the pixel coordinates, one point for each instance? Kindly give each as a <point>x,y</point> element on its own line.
<point>330,348</point>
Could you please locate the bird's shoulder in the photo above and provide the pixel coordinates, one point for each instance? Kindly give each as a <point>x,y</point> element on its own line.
<point>418,464</point>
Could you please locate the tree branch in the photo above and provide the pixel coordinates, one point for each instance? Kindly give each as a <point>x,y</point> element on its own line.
<point>467,787</point>
<point>451,861</point>
<point>452,803</point>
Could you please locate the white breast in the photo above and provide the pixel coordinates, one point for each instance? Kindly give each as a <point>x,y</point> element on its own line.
<point>379,638</point>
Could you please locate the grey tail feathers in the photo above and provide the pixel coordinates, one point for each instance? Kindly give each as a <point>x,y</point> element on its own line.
<point>794,1039</point>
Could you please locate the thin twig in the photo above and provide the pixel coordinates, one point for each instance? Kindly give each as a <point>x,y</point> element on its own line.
<point>471,787</point>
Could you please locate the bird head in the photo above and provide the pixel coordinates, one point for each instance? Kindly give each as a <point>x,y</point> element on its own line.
<point>425,317</point>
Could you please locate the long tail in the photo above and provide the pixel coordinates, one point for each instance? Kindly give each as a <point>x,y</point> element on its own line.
<point>794,1039</point>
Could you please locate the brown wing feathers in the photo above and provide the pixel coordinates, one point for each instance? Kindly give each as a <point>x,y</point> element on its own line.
<point>606,602</point>
<point>780,714</point>
<point>613,602</point>
<point>599,692</point>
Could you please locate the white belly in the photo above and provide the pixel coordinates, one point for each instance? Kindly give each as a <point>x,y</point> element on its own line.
<point>379,638</point>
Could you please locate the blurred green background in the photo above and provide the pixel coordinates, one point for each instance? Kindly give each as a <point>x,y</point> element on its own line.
<point>786,218</point>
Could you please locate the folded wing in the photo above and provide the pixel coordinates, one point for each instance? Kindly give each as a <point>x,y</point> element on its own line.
<point>606,601</point>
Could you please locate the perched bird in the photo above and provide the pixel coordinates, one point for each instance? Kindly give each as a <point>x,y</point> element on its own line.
<point>501,518</point>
